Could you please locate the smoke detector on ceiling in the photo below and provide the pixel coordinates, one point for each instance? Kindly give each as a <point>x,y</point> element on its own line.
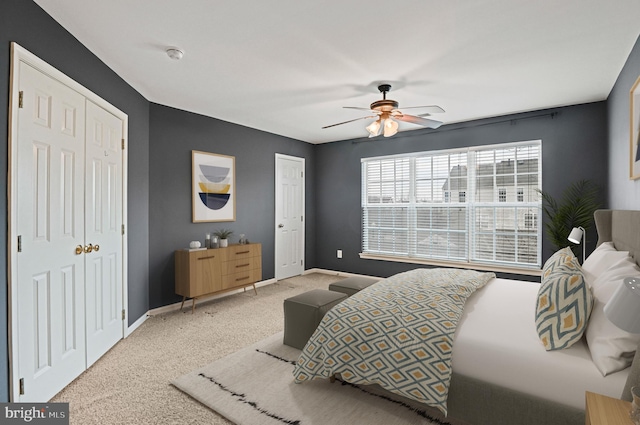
<point>174,53</point>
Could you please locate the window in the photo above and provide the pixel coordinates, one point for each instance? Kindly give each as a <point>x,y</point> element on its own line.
<point>530,220</point>
<point>408,210</point>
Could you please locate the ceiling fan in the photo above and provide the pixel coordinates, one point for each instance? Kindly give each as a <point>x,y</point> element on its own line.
<point>386,112</point>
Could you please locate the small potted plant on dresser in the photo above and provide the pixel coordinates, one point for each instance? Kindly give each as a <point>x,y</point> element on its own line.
<point>223,234</point>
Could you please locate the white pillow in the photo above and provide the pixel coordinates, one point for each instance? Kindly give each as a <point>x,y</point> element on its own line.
<point>611,348</point>
<point>600,260</point>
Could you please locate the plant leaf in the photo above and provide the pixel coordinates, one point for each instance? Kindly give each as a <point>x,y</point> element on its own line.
<point>575,209</point>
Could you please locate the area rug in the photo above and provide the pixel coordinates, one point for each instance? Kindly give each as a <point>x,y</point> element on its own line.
<point>254,386</point>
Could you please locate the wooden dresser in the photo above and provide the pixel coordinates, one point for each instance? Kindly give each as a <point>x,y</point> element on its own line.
<point>211,271</point>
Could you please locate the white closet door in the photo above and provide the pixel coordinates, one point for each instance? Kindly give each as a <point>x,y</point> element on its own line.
<point>103,230</point>
<point>50,225</point>
<point>66,199</point>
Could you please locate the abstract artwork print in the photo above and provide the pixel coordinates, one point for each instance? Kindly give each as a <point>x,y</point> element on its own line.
<point>213,187</point>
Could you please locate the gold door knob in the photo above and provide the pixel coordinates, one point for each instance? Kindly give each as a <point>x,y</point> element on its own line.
<point>96,247</point>
<point>88,248</point>
<point>79,250</point>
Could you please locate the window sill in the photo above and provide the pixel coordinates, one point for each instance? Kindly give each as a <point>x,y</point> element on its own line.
<point>473,266</point>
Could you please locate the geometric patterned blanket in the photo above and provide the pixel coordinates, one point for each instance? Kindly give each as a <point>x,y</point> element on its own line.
<point>397,333</point>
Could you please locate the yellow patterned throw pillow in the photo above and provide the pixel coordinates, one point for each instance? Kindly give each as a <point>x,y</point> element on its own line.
<point>564,302</point>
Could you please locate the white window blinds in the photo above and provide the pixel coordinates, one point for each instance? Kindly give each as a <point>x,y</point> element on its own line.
<point>475,205</point>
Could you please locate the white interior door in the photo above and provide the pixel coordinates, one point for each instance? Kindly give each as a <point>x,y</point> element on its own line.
<point>67,190</point>
<point>103,231</point>
<point>289,251</point>
<point>50,225</point>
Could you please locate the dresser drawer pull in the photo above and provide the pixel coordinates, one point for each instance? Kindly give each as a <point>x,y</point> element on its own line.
<point>242,278</point>
<point>243,265</point>
<point>242,252</point>
<point>207,258</point>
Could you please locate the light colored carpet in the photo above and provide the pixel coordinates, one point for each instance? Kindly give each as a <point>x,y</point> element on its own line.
<point>255,386</point>
<point>131,383</point>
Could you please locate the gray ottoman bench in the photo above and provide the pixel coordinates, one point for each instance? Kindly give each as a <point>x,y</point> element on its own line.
<point>303,313</point>
<point>352,285</point>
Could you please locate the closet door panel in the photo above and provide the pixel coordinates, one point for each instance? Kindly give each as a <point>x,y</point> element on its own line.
<point>50,225</point>
<point>103,224</point>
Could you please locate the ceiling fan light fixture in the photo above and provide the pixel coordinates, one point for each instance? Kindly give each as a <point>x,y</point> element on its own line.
<point>390,127</point>
<point>374,128</point>
<point>387,114</point>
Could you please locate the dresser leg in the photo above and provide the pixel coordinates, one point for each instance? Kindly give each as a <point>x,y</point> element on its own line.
<point>254,288</point>
<point>193,305</point>
<point>182,305</point>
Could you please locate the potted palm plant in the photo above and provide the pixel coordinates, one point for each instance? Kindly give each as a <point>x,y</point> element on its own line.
<point>574,209</point>
<point>223,235</point>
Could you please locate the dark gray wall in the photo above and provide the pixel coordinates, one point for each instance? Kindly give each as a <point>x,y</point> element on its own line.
<point>174,134</point>
<point>573,148</point>
<point>623,193</point>
<point>27,24</point>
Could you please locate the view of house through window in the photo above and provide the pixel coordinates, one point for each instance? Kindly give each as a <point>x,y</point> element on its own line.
<point>474,205</point>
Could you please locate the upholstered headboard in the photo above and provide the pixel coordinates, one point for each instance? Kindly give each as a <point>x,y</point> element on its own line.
<point>622,227</point>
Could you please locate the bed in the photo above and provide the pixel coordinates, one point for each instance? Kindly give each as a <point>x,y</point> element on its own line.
<point>502,374</point>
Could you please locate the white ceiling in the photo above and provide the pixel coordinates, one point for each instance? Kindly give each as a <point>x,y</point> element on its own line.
<point>289,66</point>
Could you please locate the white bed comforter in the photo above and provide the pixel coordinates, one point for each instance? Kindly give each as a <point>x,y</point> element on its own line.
<point>496,342</point>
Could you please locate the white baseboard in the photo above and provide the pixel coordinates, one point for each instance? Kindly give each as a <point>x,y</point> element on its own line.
<point>135,325</point>
<point>176,306</point>
<point>337,273</point>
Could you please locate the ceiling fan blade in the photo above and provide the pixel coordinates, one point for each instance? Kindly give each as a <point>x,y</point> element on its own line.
<point>432,109</point>
<point>418,120</point>
<point>345,122</point>
<point>358,108</point>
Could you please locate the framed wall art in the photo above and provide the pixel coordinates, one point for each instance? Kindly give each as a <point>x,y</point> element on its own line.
<point>634,130</point>
<point>213,187</point>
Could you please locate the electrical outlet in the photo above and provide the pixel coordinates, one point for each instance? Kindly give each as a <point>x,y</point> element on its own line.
<point>339,253</point>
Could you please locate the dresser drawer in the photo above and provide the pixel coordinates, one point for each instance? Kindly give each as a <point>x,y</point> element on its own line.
<point>240,265</point>
<point>244,278</point>
<point>235,252</point>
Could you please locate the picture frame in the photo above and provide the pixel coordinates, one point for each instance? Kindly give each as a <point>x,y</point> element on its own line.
<point>634,130</point>
<point>213,187</point>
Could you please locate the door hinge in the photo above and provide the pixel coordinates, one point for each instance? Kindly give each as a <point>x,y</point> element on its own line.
<point>123,230</point>
<point>123,314</point>
<point>301,173</point>
<point>20,99</point>
<point>301,218</point>
<point>122,144</point>
<point>21,386</point>
<point>301,263</point>
<point>19,243</point>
